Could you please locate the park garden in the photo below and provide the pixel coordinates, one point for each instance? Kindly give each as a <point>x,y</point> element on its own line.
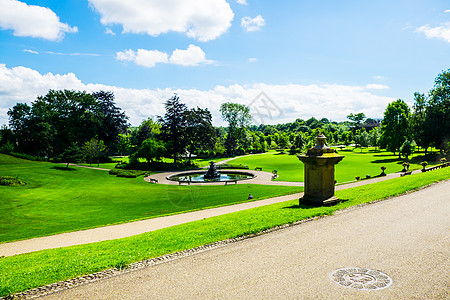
<point>46,192</point>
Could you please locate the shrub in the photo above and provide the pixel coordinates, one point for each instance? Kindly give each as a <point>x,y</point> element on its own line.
<point>232,166</point>
<point>11,181</point>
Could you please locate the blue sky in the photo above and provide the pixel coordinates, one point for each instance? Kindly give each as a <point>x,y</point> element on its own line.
<point>307,58</point>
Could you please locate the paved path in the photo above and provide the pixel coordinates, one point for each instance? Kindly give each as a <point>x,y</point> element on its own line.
<point>129,229</point>
<point>407,237</point>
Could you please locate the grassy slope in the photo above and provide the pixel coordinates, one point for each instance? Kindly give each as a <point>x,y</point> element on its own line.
<point>22,272</point>
<point>58,200</point>
<point>355,163</point>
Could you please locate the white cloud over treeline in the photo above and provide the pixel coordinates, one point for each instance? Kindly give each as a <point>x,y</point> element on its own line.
<point>332,101</point>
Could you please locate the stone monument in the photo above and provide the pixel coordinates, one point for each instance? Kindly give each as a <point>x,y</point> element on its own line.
<point>319,164</point>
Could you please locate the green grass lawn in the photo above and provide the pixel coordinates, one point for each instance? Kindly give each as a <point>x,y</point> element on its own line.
<point>26,271</point>
<point>355,163</point>
<point>57,199</point>
<point>200,162</point>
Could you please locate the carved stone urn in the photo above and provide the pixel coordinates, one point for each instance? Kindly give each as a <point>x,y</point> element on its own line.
<point>319,164</point>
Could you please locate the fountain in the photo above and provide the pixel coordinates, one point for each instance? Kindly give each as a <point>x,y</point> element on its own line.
<point>212,175</point>
<point>212,171</point>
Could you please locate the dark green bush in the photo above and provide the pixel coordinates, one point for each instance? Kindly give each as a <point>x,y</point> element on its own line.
<point>232,166</point>
<point>11,181</point>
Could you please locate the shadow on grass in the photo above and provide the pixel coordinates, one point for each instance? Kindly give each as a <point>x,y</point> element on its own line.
<point>303,206</point>
<point>388,160</point>
<point>63,168</point>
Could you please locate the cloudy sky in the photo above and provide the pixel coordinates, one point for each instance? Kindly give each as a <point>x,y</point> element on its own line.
<point>285,59</point>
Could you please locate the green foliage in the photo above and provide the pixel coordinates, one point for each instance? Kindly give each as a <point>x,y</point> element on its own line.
<point>151,149</point>
<point>406,149</point>
<point>395,125</point>
<point>72,154</point>
<point>93,149</point>
<point>238,118</point>
<point>437,120</point>
<point>10,181</point>
<point>60,118</point>
<point>173,126</point>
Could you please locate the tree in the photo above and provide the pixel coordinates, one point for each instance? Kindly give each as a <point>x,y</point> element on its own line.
<point>123,143</point>
<point>395,126</point>
<point>94,149</point>
<point>357,120</point>
<point>148,129</point>
<point>417,121</point>
<point>173,126</point>
<point>60,118</point>
<point>72,154</point>
<point>199,130</point>
<point>238,118</point>
<point>362,138</point>
<point>113,120</point>
<point>151,149</point>
<point>375,136</point>
<point>437,120</point>
<point>406,149</point>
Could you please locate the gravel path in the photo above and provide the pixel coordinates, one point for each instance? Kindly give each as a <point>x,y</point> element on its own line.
<point>407,238</point>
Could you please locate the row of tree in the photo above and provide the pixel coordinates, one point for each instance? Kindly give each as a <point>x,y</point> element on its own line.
<point>56,121</point>
<point>59,123</point>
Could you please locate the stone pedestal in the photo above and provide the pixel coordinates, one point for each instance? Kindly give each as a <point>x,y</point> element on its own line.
<point>319,174</point>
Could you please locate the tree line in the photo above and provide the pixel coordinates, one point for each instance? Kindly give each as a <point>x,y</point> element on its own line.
<point>72,125</point>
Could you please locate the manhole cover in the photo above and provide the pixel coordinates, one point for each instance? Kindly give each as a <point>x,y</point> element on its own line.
<point>361,279</point>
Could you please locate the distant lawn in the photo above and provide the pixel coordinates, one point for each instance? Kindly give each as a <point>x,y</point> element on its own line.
<point>57,199</point>
<point>200,162</point>
<point>26,271</point>
<point>355,163</point>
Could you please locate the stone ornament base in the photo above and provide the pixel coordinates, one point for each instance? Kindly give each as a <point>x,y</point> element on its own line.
<point>312,201</point>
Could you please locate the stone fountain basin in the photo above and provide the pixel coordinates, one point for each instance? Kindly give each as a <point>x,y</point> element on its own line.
<point>198,176</point>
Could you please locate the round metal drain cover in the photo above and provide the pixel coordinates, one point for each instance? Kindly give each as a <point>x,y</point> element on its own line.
<point>361,279</point>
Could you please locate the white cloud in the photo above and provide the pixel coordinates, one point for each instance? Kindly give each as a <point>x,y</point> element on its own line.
<point>252,59</point>
<point>254,24</point>
<point>376,86</point>
<point>242,2</point>
<point>379,77</point>
<point>110,32</point>
<point>30,51</point>
<point>192,56</point>
<point>441,32</point>
<point>332,101</point>
<point>200,19</point>
<point>73,54</point>
<point>142,57</point>
<point>447,11</point>
<point>32,21</point>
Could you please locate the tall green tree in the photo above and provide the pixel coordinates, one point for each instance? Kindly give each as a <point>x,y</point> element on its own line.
<point>395,125</point>
<point>93,149</point>
<point>437,120</point>
<point>238,118</point>
<point>173,127</point>
<point>113,121</point>
<point>418,126</point>
<point>151,149</point>
<point>200,132</point>
<point>357,120</point>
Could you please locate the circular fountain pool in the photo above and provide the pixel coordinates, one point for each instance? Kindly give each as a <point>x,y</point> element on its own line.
<point>200,176</point>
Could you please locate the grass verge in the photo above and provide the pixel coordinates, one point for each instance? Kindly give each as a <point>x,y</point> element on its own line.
<point>26,271</point>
